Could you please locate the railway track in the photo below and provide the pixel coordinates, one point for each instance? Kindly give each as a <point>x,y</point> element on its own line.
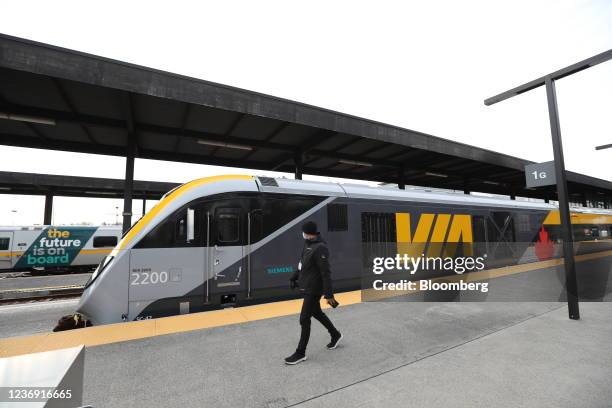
<point>25,295</point>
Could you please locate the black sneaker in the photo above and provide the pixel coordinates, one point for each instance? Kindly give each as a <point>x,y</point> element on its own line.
<point>335,340</point>
<point>295,358</point>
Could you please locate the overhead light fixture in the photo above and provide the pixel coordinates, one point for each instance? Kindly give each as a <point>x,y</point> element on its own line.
<point>101,192</point>
<point>27,118</point>
<point>355,163</point>
<point>493,183</point>
<point>222,144</point>
<point>436,174</point>
<point>5,188</point>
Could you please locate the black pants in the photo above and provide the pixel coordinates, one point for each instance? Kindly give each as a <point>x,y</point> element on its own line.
<point>312,308</point>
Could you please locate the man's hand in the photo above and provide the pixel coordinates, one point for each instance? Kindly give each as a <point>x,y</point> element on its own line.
<point>332,302</point>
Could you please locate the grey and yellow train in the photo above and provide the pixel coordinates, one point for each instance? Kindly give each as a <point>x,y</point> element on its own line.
<point>235,240</point>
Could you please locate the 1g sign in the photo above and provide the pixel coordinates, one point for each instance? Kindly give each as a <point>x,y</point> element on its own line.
<point>540,174</point>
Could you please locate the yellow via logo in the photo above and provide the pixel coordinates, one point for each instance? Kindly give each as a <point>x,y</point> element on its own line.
<point>439,230</point>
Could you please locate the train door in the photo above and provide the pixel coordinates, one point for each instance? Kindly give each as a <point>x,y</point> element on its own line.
<point>502,235</point>
<point>495,236</point>
<point>6,240</point>
<point>226,251</point>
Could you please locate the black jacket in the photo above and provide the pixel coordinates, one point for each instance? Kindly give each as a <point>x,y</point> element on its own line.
<point>314,278</point>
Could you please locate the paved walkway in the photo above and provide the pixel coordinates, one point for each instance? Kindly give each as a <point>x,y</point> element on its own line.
<point>545,361</point>
<point>417,354</point>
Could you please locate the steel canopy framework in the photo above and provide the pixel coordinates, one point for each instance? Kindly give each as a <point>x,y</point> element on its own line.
<point>77,186</point>
<point>59,99</point>
<point>51,185</point>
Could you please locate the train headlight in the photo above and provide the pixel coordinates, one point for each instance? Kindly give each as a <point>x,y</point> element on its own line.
<point>103,265</point>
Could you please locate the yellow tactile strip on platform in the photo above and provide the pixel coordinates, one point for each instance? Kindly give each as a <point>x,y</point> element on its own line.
<point>113,333</point>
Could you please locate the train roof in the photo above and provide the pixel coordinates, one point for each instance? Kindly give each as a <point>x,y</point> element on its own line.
<point>308,187</point>
<point>41,227</point>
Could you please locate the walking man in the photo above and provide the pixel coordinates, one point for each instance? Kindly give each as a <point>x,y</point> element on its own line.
<point>313,277</point>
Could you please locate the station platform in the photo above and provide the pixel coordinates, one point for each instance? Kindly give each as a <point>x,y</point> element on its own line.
<point>417,354</point>
<point>460,354</point>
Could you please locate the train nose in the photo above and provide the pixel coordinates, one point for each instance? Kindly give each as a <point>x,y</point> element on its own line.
<point>83,306</point>
<point>99,310</point>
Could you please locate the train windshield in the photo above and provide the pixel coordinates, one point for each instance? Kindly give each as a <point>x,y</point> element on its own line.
<point>161,200</point>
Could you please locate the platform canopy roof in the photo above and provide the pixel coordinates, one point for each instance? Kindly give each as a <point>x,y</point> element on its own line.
<point>76,186</point>
<point>59,99</point>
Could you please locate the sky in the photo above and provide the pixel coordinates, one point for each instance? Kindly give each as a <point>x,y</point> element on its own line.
<point>425,66</point>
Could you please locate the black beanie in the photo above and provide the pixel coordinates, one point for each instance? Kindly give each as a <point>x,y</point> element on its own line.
<point>310,228</point>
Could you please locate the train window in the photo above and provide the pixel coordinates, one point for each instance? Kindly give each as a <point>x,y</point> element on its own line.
<point>279,210</point>
<point>4,244</point>
<point>162,236</point>
<point>104,241</point>
<point>228,225</point>
<point>172,232</point>
<point>337,217</point>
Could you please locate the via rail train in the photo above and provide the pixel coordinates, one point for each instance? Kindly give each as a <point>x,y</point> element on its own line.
<point>236,239</point>
<point>53,248</point>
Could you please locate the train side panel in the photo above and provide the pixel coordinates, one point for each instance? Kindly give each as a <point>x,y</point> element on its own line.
<point>58,247</point>
<point>99,245</point>
<point>19,242</point>
<point>343,223</point>
<point>174,274</point>
<point>247,241</point>
<point>6,254</point>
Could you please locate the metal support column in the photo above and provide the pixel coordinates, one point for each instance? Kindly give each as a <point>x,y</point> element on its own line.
<point>401,178</point>
<point>466,188</point>
<point>129,185</point>
<point>298,160</point>
<point>566,224</point>
<point>129,162</point>
<point>48,209</point>
<point>553,113</point>
<point>144,205</point>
